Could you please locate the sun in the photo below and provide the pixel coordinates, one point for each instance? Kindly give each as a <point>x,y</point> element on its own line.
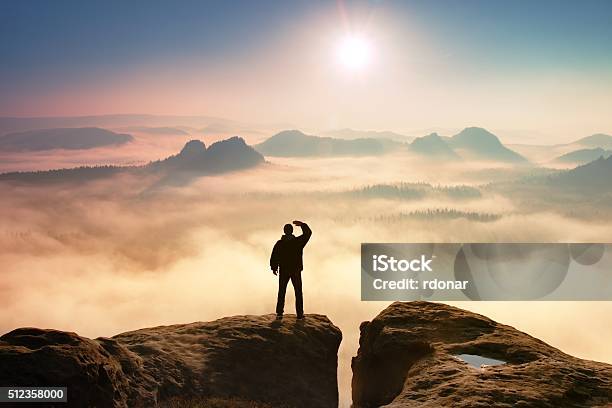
<point>354,52</point>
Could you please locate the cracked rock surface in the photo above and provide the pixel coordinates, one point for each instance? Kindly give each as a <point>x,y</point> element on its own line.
<point>406,358</point>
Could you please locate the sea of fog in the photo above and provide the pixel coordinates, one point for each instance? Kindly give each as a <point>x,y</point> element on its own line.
<point>114,255</point>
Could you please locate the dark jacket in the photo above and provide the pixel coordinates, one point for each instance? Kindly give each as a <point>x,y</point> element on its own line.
<point>287,252</point>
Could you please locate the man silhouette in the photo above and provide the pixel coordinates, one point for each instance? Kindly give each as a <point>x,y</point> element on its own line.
<point>286,259</point>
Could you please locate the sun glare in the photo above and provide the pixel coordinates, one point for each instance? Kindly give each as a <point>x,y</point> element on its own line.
<point>354,52</point>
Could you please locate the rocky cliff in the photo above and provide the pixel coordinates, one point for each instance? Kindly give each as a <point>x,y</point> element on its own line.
<point>417,354</point>
<point>290,363</point>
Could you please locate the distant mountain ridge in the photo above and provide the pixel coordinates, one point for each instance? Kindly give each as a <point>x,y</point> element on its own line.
<point>433,145</point>
<point>475,142</point>
<point>294,143</point>
<point>20,124</point>
<point>157,130</point>
<point>62,138</point>
<point>348,133</point>
<point>584,155</point>
<point>597,140</point>
<point>194,160</point>
<point>470,143</point>
<point>591,177</point>
<point>223,156</point>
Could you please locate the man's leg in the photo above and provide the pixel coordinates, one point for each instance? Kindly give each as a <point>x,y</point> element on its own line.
<point>296,280</point>
<point>283,280</point>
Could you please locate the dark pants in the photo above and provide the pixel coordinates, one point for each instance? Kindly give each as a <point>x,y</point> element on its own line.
<point>296,281</point>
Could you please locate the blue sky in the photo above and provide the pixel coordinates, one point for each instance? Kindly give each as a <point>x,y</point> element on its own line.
<point>51,49</point>
<point>65,33</point>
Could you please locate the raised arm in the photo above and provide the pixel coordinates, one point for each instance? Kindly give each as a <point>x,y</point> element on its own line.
<point>306,232</point>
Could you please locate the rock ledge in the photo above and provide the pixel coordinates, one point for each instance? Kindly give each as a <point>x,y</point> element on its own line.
<point>406,358</point>
<point>291,362</point>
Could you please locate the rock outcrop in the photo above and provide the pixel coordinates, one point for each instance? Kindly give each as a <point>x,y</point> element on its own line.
<point>407,358</point>
<point>223,156</point>
<point>479,143</point>
<point>193,161</point>
<point>290,363</point>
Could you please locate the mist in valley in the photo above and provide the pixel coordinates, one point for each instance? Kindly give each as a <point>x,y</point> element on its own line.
<point>125,252</point>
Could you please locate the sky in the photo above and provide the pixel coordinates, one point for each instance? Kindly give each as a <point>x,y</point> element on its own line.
<point>543,67</point>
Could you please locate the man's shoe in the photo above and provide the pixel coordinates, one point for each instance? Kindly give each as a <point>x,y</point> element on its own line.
<point>279,315</point>
<point>300,316</point>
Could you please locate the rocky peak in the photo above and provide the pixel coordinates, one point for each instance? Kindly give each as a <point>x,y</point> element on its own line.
<point>193,148</point>
<point>285,362</point>
<point>412,355</point>
<point>477,135</point>
<point>222,156</point>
